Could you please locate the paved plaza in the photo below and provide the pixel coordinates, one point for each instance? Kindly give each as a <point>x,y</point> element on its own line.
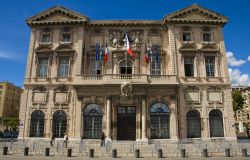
<point>41,157</point>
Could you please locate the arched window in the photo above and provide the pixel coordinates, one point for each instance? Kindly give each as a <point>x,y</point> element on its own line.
<point>37,124</point>
<point>193,125</point>
<point>216,123</point>
<point>59,123</point>
<point>159,116</point>
<point>92,117</point>
<point>126,67</point>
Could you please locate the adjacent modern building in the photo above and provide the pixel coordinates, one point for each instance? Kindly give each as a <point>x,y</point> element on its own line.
<point>10,97</point>
<point>81,77</point>
<point>243,116</point>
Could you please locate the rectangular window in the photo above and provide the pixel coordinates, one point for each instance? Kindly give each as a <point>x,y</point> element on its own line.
<point>1,86</point>
<point>46,38</point>
<point>63,70</point>
<point>207,37</point>
<point>155,68</point>
<point>210,66</point>
<point>66,37</point>
<point>43,67</point>
<point>186,36</point>
<point>189,66</point>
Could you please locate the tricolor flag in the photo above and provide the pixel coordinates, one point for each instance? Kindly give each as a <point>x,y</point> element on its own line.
<point>146,58</point>
<point>100,57</point>
<point>106,53</point>
<point>156,53</point>
<point>151,53</point>
<point>97,52</point>
<point>128,47</point>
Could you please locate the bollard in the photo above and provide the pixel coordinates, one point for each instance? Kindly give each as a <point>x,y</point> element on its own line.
<point>69,152</point>
<point>183,153</point>
<point>244,152</point>
<point>204,153</point>
<point>91,153</point>
<point>159,153</point>
<point>114,153</point>
<point>5,150</point>
<point>46,151</point>
<point>227,152</point>
<point>137,153</point>
<point>26,151</point>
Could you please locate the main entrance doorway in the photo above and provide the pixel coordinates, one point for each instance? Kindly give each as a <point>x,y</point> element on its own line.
<point>126,123</point>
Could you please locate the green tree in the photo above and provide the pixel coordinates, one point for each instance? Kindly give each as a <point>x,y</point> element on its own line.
<point>238,101</point>
<point>247,128</point>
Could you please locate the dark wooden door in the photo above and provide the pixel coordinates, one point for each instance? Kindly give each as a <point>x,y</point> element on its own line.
<point>126,123</point>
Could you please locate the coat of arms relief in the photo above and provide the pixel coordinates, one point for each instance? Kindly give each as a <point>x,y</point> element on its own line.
<point>126,93</point>
<point>117,38</point>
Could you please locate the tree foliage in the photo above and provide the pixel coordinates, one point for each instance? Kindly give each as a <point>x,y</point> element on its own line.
<point>238,101</point>
<point>10,123</point>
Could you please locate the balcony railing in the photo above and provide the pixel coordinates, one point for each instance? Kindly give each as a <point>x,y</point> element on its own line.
<point>119,78</point>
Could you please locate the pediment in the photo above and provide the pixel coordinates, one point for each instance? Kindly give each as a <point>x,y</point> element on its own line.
<point>195,14</point>
<point>188,47</point>
<point>57,15</point>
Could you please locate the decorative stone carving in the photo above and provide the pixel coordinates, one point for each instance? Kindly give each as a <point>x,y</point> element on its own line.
<point>126,93</point>
<point>61,95</point>
<point>214,95</point>
<point>39,95</point>
<point>192,94</point>
<point>117,38</point>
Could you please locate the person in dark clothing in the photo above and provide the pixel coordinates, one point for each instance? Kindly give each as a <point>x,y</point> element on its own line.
<point>102,137</point>
<point>52,139</point>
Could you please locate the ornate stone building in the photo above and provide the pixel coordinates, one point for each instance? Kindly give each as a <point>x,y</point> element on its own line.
<point>175,87</point>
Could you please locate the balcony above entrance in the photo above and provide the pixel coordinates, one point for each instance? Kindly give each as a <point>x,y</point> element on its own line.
<point>119,78</point>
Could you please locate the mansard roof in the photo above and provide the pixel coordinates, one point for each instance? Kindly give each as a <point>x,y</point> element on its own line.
<point>57,15</point>
<point>195,14</point>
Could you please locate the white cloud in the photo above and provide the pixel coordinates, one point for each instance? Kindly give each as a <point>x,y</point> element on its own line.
<point>7,55</point>
<point>248,58</point>
<point>238,79</point>
<point>232,61</point>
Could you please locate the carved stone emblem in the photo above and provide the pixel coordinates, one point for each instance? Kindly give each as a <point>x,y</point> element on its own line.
<point>117,38</point>
<point>126,93</point>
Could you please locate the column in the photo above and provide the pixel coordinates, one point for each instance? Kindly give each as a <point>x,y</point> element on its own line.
<point>173,120</point>
<point>108,120</point>
<point>144,120</point>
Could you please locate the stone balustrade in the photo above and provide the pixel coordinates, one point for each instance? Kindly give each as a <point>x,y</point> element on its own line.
<point>119,78</point>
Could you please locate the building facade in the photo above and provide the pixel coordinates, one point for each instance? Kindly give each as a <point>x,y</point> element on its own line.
<point>243,116</point>
<point>10,97</point>
<point>81,80</point>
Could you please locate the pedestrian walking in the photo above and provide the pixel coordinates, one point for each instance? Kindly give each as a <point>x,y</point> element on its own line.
<point>65,140</point>
<point>52,139</point>
<point>102,137</point>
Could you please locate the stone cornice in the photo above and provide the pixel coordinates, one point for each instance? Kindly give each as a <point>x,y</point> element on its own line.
<point>119,23</point>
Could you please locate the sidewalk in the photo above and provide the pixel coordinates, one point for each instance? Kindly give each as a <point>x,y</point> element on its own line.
<point>41,157</point>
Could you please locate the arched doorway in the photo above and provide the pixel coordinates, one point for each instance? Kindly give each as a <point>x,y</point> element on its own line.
<point>59,123</point>
<point>92,120</point>
<point>159,117</point>
<point>216,123</point>
<point>37,124</point>
<point>193,124</point>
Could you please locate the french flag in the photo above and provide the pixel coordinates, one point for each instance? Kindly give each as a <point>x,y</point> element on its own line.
<point>106,53</point>
<point>129,50</point>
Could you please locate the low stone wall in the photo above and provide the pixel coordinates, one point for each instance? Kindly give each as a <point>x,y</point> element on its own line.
<point>193,148</point>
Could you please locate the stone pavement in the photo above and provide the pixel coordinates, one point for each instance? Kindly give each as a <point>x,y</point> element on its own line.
<point>41,157</point>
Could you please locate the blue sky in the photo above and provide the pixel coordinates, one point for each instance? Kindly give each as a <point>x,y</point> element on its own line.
<point>14,39</point>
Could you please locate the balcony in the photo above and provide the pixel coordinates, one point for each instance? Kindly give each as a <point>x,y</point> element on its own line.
<point>120,78</point>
